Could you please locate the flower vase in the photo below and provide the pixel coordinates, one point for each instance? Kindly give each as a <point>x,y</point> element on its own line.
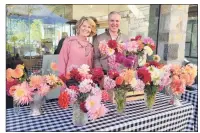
<point>149,100</point>
<point>79,118</point>
<point>175,100</point>
<point>167,91</point>
<point>36,105</point>
<point>120,98</point>
<point>142,59</point>
<point>16,108</point>
<point>150,96</point>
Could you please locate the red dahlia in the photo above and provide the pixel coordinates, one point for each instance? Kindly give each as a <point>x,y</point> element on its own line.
<point>144,75</point>
<point>97,74</point>
<point>112,44</point>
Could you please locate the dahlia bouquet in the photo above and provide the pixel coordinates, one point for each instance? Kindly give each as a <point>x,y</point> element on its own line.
<point>86,95</point>
<point>151,77</point>
<point>120,84</point>
<point>118,58</point>
<point>78,74</point>
<point>142,48</point>
<point>14,77</point>
<point>23,88</point>
<point>180,77</point>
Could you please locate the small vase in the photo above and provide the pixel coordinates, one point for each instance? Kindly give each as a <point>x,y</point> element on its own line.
<point>120,98</point>
<point>79,118</point>
<point>175,100</point>
<point>16,108</point>
<point>36,105</point>
<point>167,91</point>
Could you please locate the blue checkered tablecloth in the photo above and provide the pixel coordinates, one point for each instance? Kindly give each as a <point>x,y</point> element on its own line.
<point>192,97</point>
<point>136,117</point>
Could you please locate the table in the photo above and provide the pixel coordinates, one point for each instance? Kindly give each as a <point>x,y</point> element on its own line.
<point>136,117</point>
<point>192,97</point>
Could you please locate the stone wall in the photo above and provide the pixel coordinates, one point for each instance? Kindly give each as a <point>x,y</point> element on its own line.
<point>172,33</point>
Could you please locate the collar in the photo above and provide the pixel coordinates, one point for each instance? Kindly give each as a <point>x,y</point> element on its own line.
<point>107,32</point>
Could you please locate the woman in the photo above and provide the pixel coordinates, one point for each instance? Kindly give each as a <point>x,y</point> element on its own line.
<point>77,50</point>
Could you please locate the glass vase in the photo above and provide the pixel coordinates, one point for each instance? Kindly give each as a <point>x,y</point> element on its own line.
<point>149,100</point>
<point>16,108</point>
<point>175,100</point>
<point>120,98</point>
<point>150,95</point>
<point>142,59</point>
<point>79,118</point>
<point>36,105</point>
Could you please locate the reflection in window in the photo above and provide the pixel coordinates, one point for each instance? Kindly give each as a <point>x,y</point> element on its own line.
<point>34,30</point>
<point>191,35</point>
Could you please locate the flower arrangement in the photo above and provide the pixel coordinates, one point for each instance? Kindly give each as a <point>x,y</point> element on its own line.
<point>14,77</point>
<point>181,76</point>
<point>142,48</point>
<point>150,74</point>
<point>146,45</point>
<point>118,58</point>
<point>128,54</point>
<point>125,55</point>
<point>23,88</point>
<point>86,94</point>
<point>120,84</point>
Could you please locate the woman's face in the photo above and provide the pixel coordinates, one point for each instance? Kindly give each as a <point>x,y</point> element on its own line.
<point>85,29</point>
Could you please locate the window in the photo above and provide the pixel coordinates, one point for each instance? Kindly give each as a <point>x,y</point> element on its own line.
<point>191,35</point>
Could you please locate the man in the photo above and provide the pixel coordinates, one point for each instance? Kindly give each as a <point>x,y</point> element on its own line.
<point>113,33</point>
<point>64,35</point>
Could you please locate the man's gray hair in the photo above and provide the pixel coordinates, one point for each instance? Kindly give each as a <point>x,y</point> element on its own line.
<point>113,12</point>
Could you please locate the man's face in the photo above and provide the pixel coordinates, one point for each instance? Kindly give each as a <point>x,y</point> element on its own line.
<point>114,22</point>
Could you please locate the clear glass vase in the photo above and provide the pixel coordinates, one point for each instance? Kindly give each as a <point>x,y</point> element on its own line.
<point>36,105</point>
<point>120,98</point>
<point>175,100</point>
<point>16,108</point>
<point>79,118</point>
<point>149,100</point>
<point>142,59</point>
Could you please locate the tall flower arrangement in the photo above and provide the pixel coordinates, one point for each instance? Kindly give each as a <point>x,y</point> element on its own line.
<point>86,94</point>
<point>150,74</point>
